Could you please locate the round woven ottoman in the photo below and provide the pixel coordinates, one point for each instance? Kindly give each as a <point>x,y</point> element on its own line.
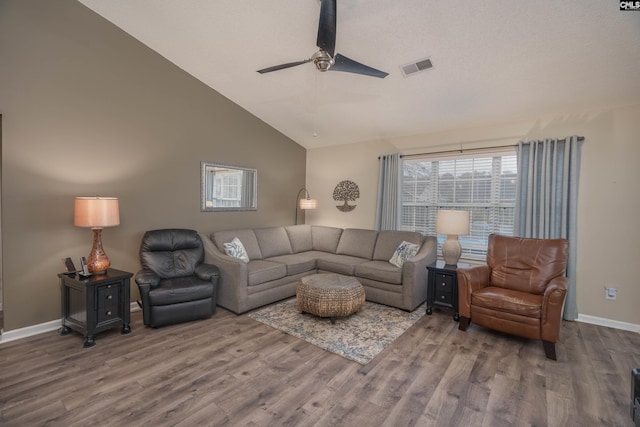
<point>329,295</point>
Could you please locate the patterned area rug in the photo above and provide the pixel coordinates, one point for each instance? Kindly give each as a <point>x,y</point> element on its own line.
<point>359,337</point>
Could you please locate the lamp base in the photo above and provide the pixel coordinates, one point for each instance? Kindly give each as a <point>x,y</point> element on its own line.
<point>97,262</point>
<point>451,250</point>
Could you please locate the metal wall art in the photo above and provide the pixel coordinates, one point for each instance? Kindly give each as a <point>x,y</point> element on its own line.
<point>346,191</point>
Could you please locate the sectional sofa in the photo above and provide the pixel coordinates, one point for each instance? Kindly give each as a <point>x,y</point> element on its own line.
<point>279,256</point>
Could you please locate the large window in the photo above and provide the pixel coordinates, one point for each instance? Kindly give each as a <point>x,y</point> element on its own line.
<point>485,185</point>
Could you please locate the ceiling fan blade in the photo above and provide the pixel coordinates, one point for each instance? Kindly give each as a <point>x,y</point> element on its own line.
<point>327,27</point>
<point>342,63</point>
<point>283,66</point>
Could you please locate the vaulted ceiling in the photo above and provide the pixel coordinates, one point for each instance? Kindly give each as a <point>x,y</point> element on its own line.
<point>494,61</point>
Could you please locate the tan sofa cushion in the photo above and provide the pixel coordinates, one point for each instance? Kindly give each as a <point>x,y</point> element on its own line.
<point>382,271</point>
<point>388,242</point>
<point>357,242</point>
<point>273,241</point>
<point>296,263</point>
<point>325,239</point>
<point>300,238</point>
<point>264,271</point>
<point>341,264</point>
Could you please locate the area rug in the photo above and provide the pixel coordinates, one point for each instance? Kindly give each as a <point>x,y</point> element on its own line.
<point>359,337</point>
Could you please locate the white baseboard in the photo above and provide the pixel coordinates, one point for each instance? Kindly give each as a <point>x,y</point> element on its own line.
<point>41,328</point>
<point>55,324</point>
<point>601,321</point>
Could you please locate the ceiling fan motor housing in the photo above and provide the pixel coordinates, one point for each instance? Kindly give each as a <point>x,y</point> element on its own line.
<point>323,60</point>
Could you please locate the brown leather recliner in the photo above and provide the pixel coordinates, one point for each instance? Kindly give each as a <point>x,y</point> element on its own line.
<point>520,291</point>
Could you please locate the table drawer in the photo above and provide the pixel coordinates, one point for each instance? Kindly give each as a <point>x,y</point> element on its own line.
<point>107,313</point>
<point>108,295</point>
<point>444,298</point>
<point>444,282</point>
<point>108,302</point>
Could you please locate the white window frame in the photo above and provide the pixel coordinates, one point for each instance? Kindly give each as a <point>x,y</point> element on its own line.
<point>422,198</point>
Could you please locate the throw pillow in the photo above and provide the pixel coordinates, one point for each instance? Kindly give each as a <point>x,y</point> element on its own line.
<point>404,251</point>
<point>235,248</point>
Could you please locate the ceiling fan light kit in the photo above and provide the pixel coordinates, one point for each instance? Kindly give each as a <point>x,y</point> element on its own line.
<point>326,59</point>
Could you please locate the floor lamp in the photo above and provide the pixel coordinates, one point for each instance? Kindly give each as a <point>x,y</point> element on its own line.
<point>306,202</point>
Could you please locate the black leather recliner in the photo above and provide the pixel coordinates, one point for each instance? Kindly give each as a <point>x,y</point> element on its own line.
<point>175,285</point>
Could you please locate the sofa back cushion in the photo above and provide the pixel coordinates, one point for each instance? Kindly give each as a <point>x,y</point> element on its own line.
<point>273,241</point>
<point>357,242</point>
<point>525,264</point>
<point>325,239</point>
<point>300,238</point>
<point>388,241</point>
<point>246,236</point>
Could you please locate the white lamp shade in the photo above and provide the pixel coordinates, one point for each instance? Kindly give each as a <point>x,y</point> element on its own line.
<point>308,204</point>
<point>96,212</point>
<point>452,222</point>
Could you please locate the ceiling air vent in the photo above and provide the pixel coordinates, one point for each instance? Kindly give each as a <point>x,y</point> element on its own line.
<point>414,67</point>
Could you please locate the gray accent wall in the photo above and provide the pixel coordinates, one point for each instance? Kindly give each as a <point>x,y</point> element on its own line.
<point>88,110</point>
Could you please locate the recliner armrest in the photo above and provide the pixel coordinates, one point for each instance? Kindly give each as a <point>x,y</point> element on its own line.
<point>478,276</point>
<point>147,277</point>
<point>207,271</point>
<point>471,279</point>
<point>552,303</point>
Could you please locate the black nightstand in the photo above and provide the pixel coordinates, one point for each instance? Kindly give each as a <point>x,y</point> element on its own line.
<point>96,303</point>
<point>442,290</point>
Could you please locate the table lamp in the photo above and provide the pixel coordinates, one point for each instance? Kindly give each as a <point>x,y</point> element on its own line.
<point>97,213</point>
<point>452,223</point>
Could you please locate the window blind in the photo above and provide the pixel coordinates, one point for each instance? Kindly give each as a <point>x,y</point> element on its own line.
<point>483,184</point>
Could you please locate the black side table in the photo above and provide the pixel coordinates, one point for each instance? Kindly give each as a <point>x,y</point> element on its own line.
<point>442,289</point>
<point>96,303</point>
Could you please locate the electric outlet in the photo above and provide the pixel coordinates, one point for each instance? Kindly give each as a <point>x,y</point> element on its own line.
<point>610,293</point>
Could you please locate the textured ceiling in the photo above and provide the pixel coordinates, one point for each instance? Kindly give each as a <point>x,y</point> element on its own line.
<point>495,61</point>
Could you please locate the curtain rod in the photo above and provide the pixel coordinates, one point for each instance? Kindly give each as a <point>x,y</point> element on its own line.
<point>462,150</point>
<point>459,150</point>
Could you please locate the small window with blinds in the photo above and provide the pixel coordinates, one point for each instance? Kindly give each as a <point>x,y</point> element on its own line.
<point>483,184</point>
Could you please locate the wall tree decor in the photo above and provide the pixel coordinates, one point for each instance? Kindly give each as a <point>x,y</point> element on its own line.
<point>346,191</point>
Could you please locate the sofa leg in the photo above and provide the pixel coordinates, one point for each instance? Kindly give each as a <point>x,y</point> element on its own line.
<point>549,349</point>
<point>464,323</point>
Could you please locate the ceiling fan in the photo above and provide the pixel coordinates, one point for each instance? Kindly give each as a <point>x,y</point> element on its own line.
<point>324,59</point>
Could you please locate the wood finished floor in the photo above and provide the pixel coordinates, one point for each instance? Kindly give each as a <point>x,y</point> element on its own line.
<point>232,370</point>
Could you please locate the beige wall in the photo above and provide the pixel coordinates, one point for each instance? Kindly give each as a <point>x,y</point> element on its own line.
<point>327,167</point>
<point>609,199</point>
<point>88,110</point>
